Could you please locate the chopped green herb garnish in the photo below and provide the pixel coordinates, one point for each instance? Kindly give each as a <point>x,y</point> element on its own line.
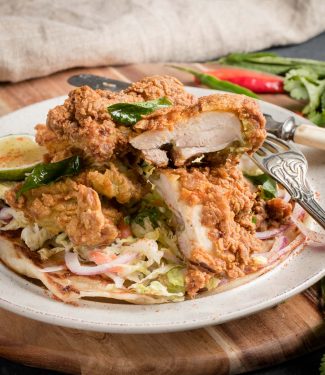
<point>131,113</point>
<point>267,185</point>
<point>254,220</point>
<point>152,213</point>
<point>44,174</point>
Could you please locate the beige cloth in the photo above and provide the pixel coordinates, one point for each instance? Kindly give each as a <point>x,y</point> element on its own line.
<point>39,37</point>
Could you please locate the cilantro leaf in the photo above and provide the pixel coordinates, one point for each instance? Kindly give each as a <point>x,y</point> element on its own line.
<point>131,113</point>
<point>304,84</point>
<point>266,184</point>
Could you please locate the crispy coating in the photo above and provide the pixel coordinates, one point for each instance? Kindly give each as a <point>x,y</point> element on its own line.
<point>113,183</point>
<point>66,206</point>
<point>195,280</point>
<point>82,125</point>
<point>158,86</point>
<point>227,214</point>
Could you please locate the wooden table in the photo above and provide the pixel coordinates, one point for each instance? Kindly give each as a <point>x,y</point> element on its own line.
<point>270,337</point>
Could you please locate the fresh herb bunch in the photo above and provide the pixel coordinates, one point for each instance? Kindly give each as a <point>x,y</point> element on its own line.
<point>305,84</point>
<point>272,63</point>
<point>304,78</point>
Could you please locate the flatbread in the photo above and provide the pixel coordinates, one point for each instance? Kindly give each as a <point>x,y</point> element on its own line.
<point>68,287</point>
<point>64,285</point>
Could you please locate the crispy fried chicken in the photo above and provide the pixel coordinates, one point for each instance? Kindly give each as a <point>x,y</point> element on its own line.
<point>83,125</point>
<point>216,122</point>
<point>213,205</point>
<point>66,206</point>
<point>214,211</point>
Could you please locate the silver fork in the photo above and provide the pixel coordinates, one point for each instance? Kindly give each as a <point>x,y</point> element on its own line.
<point>288,166</point>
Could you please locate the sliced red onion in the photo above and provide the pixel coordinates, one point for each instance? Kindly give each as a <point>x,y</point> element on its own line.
<point>5,214</point>
<point>73,264</point>
<point>313,238</point>
<point>282,247</point>
<point>53,269</point>
<point>271,233</point>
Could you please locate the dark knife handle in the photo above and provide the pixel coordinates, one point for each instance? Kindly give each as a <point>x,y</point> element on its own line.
<point>97,82</point>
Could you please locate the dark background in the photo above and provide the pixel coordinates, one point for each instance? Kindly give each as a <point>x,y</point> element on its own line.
<point>306,365</point>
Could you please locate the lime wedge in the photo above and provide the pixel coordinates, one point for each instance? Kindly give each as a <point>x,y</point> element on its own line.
<point>19,154</point>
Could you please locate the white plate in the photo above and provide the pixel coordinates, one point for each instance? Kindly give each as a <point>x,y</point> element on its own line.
<point>295,274</point>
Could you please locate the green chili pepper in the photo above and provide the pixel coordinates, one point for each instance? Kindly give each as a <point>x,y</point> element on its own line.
<point>217,84</point>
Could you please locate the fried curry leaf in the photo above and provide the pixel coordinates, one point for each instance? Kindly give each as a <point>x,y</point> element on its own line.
<point>266,184</point>
<point>131,113</point>
<point>43,173</point>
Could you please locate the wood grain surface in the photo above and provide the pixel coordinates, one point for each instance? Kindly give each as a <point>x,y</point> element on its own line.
<point>260,340</point>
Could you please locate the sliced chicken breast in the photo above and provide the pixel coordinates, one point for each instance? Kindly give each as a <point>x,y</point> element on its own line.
<point>192,234</point>
<point>213,124</point>
<point>213,208</point>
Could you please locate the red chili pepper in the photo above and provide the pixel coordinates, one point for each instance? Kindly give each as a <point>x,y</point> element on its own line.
<point>255,81</point>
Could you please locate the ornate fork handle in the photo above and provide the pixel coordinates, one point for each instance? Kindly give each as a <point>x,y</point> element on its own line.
<point>290,169</point>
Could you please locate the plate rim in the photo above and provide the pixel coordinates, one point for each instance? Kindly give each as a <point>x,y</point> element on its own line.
<point>127,327</point>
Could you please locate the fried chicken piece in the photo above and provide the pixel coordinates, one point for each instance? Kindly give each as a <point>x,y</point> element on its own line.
<point>213,207</point>
<point>55,146</point>
<point>213,124</point>
<point>82,125</point>
<point>155,87</point>
<point>114,183</point>
<point>66,206</point>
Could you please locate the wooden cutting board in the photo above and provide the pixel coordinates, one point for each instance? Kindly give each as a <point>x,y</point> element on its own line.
<point>260,340</point>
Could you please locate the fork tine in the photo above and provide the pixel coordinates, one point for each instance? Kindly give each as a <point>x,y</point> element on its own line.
<point>273,139</point>
<point>271,147</point>
<point>265,151</point>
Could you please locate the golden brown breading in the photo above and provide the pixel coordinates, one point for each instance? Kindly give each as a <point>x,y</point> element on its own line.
<point>113,183</point>
<point>227,203</point>
<point>66,206</point>
<point>55,145</point>
<point>155,87</point>
<point>195,280</point>
<point>83,124</point>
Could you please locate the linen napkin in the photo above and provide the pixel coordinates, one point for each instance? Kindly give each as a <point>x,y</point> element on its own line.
<point>39,37</point>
